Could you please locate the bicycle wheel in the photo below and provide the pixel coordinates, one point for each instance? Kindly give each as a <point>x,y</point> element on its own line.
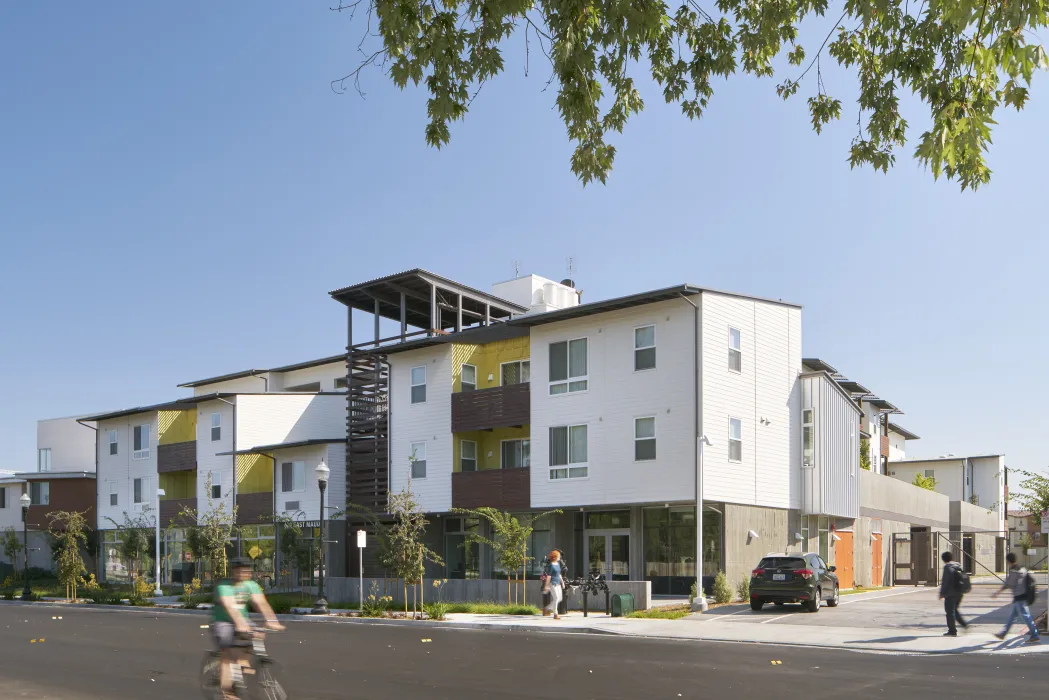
<point>268,685</point>
<point>209,676</point>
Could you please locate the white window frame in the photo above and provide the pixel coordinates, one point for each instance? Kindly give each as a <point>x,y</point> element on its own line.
<point>114,442</point>
<point>568,467</point>
<point>216,424</point>
<point>569,380</point>
<point>502,464</point>
<point>462,455</point>
<point>138,484</point>
<point>738,351</point>
<point>520,371</point>
<point>732,439</point>
<point>298,476</point>
<point>40,454</point>
<point>653,438</point>
<point>43,492</point>
<point>811,426</point>
<point>143,453</point>
<point>462,377</point>
<point>411,380</point>
<point>216,482</point>
<point>414,459</point>
<point>114,497</point>
<point>645,347</point>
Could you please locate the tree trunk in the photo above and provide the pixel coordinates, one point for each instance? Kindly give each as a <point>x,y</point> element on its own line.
<point>508,600</point>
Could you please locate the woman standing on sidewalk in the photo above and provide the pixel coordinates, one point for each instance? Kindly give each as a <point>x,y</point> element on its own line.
<point>553,571</point>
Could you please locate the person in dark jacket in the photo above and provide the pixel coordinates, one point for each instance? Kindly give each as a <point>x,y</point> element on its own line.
<point>951,595</point>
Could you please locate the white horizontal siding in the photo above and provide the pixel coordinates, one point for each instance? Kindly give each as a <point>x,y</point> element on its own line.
<point>270,419</point>
<point>209,461</point>
<point>615,397</point>
<point>72,445</point>
<point>323,374</point>
<point>429,422</point>
<point>118,472</point>
<point>309,498</point>
<point>252,384</point>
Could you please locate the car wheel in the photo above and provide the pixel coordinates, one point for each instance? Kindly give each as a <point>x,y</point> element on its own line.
<point>833,601</point>
<point>756,604</point>
<point>814,604</point>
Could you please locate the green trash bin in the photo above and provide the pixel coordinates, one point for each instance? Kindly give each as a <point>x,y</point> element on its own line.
<point>622,604</point>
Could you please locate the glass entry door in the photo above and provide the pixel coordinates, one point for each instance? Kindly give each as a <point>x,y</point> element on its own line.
<point>608,553</point>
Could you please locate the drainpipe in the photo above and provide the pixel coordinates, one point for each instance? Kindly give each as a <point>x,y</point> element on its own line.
<point>265,379</point>
<point>98,544</point>
<point>696,451</point>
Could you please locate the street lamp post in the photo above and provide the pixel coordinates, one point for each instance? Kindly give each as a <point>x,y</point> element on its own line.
<point>320,606</point>
<point>700,603</point>
<point>156,559</point>
<point>25,501</point>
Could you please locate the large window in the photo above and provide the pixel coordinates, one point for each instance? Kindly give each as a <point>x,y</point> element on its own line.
<point>568,459</point>
<point>519,372</point>
<point>735,440</point>
<point>141,442</point>
<point>644,439</point>
<point>644,348</point>
<point>808,452</point>
<point>39,493</point>
<point>293,477</point>
<point>216,426</point>
<point>418,384</point>
<point>462,557</point>
<point>43,459</point>
<point>670,549</point>
<point>467,456</point>
<point>139,496</point>
<point>113,444</point>
<point>735,350</point>
<point>468,378</point>
<point>418,460</point>
<point>568,366</point>
<point>516,454</point>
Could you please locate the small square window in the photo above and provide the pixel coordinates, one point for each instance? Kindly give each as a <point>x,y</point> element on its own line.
<point>216,491</point>
<point>735,440</point>
<point>468,456</point>
<point>113,499</point>
<point>418,460</point>
<point>644,439</point>
<point>644,348</point>
<point>419,384</point>
<point>735,350</point>
<point>469,378</point>
<point>113,442</point>
<point>216,426</point>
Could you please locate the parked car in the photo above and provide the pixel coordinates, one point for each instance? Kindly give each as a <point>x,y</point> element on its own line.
<point>794,578</point>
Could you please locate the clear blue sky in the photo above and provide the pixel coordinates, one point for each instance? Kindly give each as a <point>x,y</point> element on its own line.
<point>180,188</point>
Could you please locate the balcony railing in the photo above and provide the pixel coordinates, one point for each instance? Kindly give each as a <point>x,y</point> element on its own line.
<point>498,407</point>
<point>509,489</point>
<point>177,457</point>
<point>171,509</point>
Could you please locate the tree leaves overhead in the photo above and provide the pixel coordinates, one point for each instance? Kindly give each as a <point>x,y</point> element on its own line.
<point>963,58</point>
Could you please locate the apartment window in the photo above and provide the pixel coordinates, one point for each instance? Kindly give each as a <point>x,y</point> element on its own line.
<point>216,426</point>
<point>418,384</point>
<point>468,378</point>
<point>43,459</point>
<point>3,497</point>
<point>141,442</point>
<point>644,348</point>
<point>519,372</point>
<point>138,492</point>
<point>735,350</point>
<point>808,451</point>
<point>568,370</point>
<point>516,454</point>
<point>644,439</point>
<point>40,493</point>
<point>568,452</point>
<point>341,383</point>
<point>735,440</point>
<point>467,456</point>
<point>216,485</point>
<point>418,460</point>
<point>293,477</point>
<point>113,442</point>
<point>930,473</point>
<point>113,499</point>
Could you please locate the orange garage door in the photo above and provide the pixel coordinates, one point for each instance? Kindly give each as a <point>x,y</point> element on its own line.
<point>876,562</point>
<point>843,560</point>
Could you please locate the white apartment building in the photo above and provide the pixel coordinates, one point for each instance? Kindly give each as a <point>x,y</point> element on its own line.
<point>978,480</point>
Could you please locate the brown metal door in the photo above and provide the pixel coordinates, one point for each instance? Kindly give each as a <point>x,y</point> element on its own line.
<point>903,568</point>
<point>843,561</point>
<point>877,575</point>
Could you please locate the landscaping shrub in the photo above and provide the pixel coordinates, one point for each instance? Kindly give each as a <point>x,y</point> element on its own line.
<point>488,608</point>
<point>723,592</point>
<point>436,611</point>
<point>668,612</point>
<point>194,601</point>
<point>743,589</point>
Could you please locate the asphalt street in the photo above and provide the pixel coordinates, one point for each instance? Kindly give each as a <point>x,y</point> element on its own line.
<point>93,654</point>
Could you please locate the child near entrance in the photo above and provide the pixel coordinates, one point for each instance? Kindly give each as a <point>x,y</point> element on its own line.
<point>553,583</point>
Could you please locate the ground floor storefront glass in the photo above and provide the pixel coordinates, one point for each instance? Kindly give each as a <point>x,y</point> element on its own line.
<point>462,558</point>
<point>670,547</point>
<point>259,544</point>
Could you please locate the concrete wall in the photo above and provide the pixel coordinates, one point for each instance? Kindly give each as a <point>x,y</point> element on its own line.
<point>892,499</point>
<point>344,590</point>
<point>775,529</point>
<point>969,518</point>
<point>863,528</point>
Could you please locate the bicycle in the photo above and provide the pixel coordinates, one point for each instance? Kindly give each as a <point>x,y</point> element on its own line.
<point>260,667</point>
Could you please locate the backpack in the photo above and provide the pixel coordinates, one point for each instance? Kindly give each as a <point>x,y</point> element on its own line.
<point>1030,591</point>
<point>962,582</point>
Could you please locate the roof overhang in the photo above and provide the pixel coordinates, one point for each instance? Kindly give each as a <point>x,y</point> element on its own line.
<point>263,449</point>
<point>853,387</point>
<point>259,372</point>
<point>819,365</point>
<point>471,336</point>
<point>52,476</point>
<point>615,304</point>
<point>900,430</point>
<point>176,405</point>
<point>882,404</point>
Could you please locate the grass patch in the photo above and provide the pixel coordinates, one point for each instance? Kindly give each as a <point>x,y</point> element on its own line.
<point>492,609</point>
<point>665,612</point>
<point>861,589</point>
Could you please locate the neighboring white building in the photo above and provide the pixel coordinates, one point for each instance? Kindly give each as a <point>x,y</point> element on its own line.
<point>898,438</point>
<point>65,445</point>
<point>979,479</point>
<point>324,374</point>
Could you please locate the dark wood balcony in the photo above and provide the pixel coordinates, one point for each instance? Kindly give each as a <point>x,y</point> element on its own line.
<point>171,509</point>
<point>498,407</point>
<point>177,457</point>
<point>254,508</point>
<point>508,489</point>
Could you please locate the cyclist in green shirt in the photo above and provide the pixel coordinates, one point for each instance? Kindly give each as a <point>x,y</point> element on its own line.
<point>234,601</point>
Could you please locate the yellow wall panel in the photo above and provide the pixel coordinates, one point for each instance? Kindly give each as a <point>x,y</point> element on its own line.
<point>487,359</point>
<point>178,485</point>
<point>176,426</point>
<point>488,441</point>
<point>254,474</point>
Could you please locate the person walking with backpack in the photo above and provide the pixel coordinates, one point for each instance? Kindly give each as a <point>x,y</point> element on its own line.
<point>1020,582</point>
<point>954,584</point>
